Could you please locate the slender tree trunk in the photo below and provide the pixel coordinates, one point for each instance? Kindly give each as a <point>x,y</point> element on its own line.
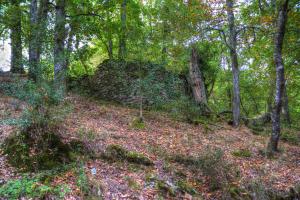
<point>122,39</point>
<point>234,63</point>
<point>279,37</point>
<point>59,47</point>
<point>33,52</point>
<point>110,48</point>
<point>196,80</point>
<point>165,35</point>
<point>38,25</point>
<point>16,38</point>
<point>69,45</point>
<point>109,37</point>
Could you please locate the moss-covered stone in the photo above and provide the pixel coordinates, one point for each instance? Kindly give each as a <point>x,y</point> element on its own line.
<point>186,187</point>
<point>117,80</point>
<point>38,149</point>
<point>242,153</point>
<point>117,153</point>
<point>165,188</point>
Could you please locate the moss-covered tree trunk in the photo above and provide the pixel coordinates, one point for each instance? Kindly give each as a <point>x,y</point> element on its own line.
<point>109,36</point>
<point>59,47</point>
<point>38,25</point>
<point>122,37</point>
<point>16,38</point>
<point>234,63</point>
<point>279,37</point>
<point>196,79</point>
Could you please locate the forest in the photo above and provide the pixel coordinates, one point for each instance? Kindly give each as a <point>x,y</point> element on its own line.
<point>150,99</point>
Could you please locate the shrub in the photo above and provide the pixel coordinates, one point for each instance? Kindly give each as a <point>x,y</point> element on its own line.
<point>184,108</point>
<point>212,164</point>
<point>291,137</point>
<point>37,144</point>
<point>32,188</point>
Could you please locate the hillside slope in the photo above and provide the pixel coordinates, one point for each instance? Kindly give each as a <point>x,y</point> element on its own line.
<point>171,145</point>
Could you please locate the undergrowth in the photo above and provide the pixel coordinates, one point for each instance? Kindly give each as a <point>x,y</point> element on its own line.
<point>38,186</point>
<point>38,145</point>
<point>212,164</point>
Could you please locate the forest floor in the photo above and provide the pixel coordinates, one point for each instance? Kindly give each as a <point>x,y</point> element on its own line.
<point>100,124</point>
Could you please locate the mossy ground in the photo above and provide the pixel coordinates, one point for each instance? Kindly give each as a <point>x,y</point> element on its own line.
<point>40,149</point>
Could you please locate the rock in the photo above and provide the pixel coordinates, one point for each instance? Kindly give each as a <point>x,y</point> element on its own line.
<point>121,81</point>
<point>2,181</point>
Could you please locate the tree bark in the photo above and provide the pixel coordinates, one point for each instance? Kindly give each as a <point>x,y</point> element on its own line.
<point>234,63</point>
<point>109,37</point>
<point>38,25</point>
<point>196,79</point>
<point>164,45</point>
<point>122,39</point>
<point>70,42</point>
<point>33,53</point>
<point>279,37</point>
<point>165,32</point>
<point>16,38</point>
<point>59,48</point>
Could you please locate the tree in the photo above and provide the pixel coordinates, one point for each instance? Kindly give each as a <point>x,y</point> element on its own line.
<point>280,81</point>
<point>196,79</point>
<point>59,47</point>
<point>38,22</point>
<point>33,51</point>
<point>234,63</point>
<point>122,39</point>
<point>16,37</point>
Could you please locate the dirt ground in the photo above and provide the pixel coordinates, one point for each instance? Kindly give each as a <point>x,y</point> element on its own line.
<point>100,124</point>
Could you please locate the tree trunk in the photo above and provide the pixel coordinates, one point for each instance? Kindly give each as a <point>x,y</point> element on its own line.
<point>70,42</point>
<point>16,38</point>
<point>279,37</point>
<point>122,39</point>
<point>196,79</point>
<point>110,49</point>
<point>59,48</point>
<point>164,42</point>
<point>33,49</point>
<point>109,37</point>
<point>234,64</point>
<point>38,25</point>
